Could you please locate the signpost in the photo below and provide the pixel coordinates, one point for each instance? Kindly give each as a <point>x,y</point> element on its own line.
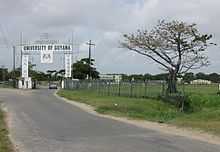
<point>68,61</point>
<point>24,66</point>
<point>46,52</point>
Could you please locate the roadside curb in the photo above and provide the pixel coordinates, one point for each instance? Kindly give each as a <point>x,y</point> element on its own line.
<point>162,128</point>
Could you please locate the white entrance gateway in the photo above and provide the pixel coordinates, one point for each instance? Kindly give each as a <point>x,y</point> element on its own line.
<point>46,53</point>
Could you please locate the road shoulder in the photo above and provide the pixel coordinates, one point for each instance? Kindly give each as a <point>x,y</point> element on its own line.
<point>163,128</point>
<point>5,138</point>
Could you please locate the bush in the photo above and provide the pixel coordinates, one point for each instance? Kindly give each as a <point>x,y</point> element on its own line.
<point>181,101</point>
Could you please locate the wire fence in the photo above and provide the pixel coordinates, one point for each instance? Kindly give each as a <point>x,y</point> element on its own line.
<point>138,89</point>
<point>6,84</point>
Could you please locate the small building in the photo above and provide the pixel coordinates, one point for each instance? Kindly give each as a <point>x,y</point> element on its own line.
<point>111,77</point>
<point>200,81</point>
<point>179,80</point>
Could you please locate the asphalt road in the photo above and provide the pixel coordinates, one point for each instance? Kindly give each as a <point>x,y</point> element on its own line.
<point>39,122</point>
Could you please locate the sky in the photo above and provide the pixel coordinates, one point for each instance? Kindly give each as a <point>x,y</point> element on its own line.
<point>104,22</point>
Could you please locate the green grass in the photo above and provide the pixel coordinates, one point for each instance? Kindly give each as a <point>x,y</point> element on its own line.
<point>131,90</point>
<point>149,109</point>
<point>204,101</point>
<point>200,89</point>
<point>206,115</point>
<point>5,144</point>
<point>151,90</point>
<point>6,86</point>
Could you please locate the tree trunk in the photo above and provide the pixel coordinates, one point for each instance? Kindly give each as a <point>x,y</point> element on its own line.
<point>172,81</point>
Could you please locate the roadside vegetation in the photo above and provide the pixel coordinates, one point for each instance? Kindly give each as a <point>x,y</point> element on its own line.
<point>6,84</point>
<point>203,116</point>
<point>5,144</point>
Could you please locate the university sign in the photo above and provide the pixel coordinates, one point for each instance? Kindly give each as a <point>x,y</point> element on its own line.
<point>47,47</point>
<point>46,52</point>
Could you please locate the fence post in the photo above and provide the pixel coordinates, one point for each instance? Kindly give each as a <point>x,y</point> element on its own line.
<point>98,86</point>
<point>108,88</point>
<point>183,89</point>
<point>66,84</point>
<point>145,88</point>
<point>163,88</point>
<point>131,89</point>
<point>119,89</point>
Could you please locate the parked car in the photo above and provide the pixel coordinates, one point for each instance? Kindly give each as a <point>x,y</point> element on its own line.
<point>53,86</point>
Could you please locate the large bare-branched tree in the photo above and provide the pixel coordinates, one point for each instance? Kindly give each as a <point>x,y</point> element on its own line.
<point>176,46</point>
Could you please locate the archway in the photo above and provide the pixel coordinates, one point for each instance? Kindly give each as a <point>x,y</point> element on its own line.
<point>46,52</point>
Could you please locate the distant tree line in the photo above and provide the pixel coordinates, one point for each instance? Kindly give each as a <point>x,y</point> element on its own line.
<point>81,68</point>
<point>214,77</point>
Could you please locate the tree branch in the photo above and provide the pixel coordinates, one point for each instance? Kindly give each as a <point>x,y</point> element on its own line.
<point>140,52</point>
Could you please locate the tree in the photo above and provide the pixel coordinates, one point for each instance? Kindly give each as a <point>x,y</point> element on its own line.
<point>51,75</point>
<point>202,76</point>
<point>137,77</point>
<point>148,76</point>
<point>80,69</point>
<point>60,74</point>
<point>125,77</point>
<point>161,76</point>
<point>188,77</point>
<point>176,46</point>
<point>31,71</point>
<point>4,74</point>
<point>40,76</point>
<point>15,74</point>
<point>214,77</point>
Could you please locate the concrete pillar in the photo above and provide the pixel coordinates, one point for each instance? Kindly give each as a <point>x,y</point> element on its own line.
<point>62,84</point>
<point>20,86</point>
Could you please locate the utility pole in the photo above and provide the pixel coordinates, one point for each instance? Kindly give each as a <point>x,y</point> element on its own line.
<point>13,58</point>
<point>72,54</point>
<point>3,72</point>
<point>90,44</point>
<point>14,83</point>
<point>21,42</point>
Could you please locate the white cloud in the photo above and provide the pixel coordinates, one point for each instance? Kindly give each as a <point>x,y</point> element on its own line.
<point>104,21</point>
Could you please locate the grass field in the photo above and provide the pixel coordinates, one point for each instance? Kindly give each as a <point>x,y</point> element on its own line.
<point>147,90</point>
<point>149,109</point>
<point>203,99</point>
<point>5,144</point>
